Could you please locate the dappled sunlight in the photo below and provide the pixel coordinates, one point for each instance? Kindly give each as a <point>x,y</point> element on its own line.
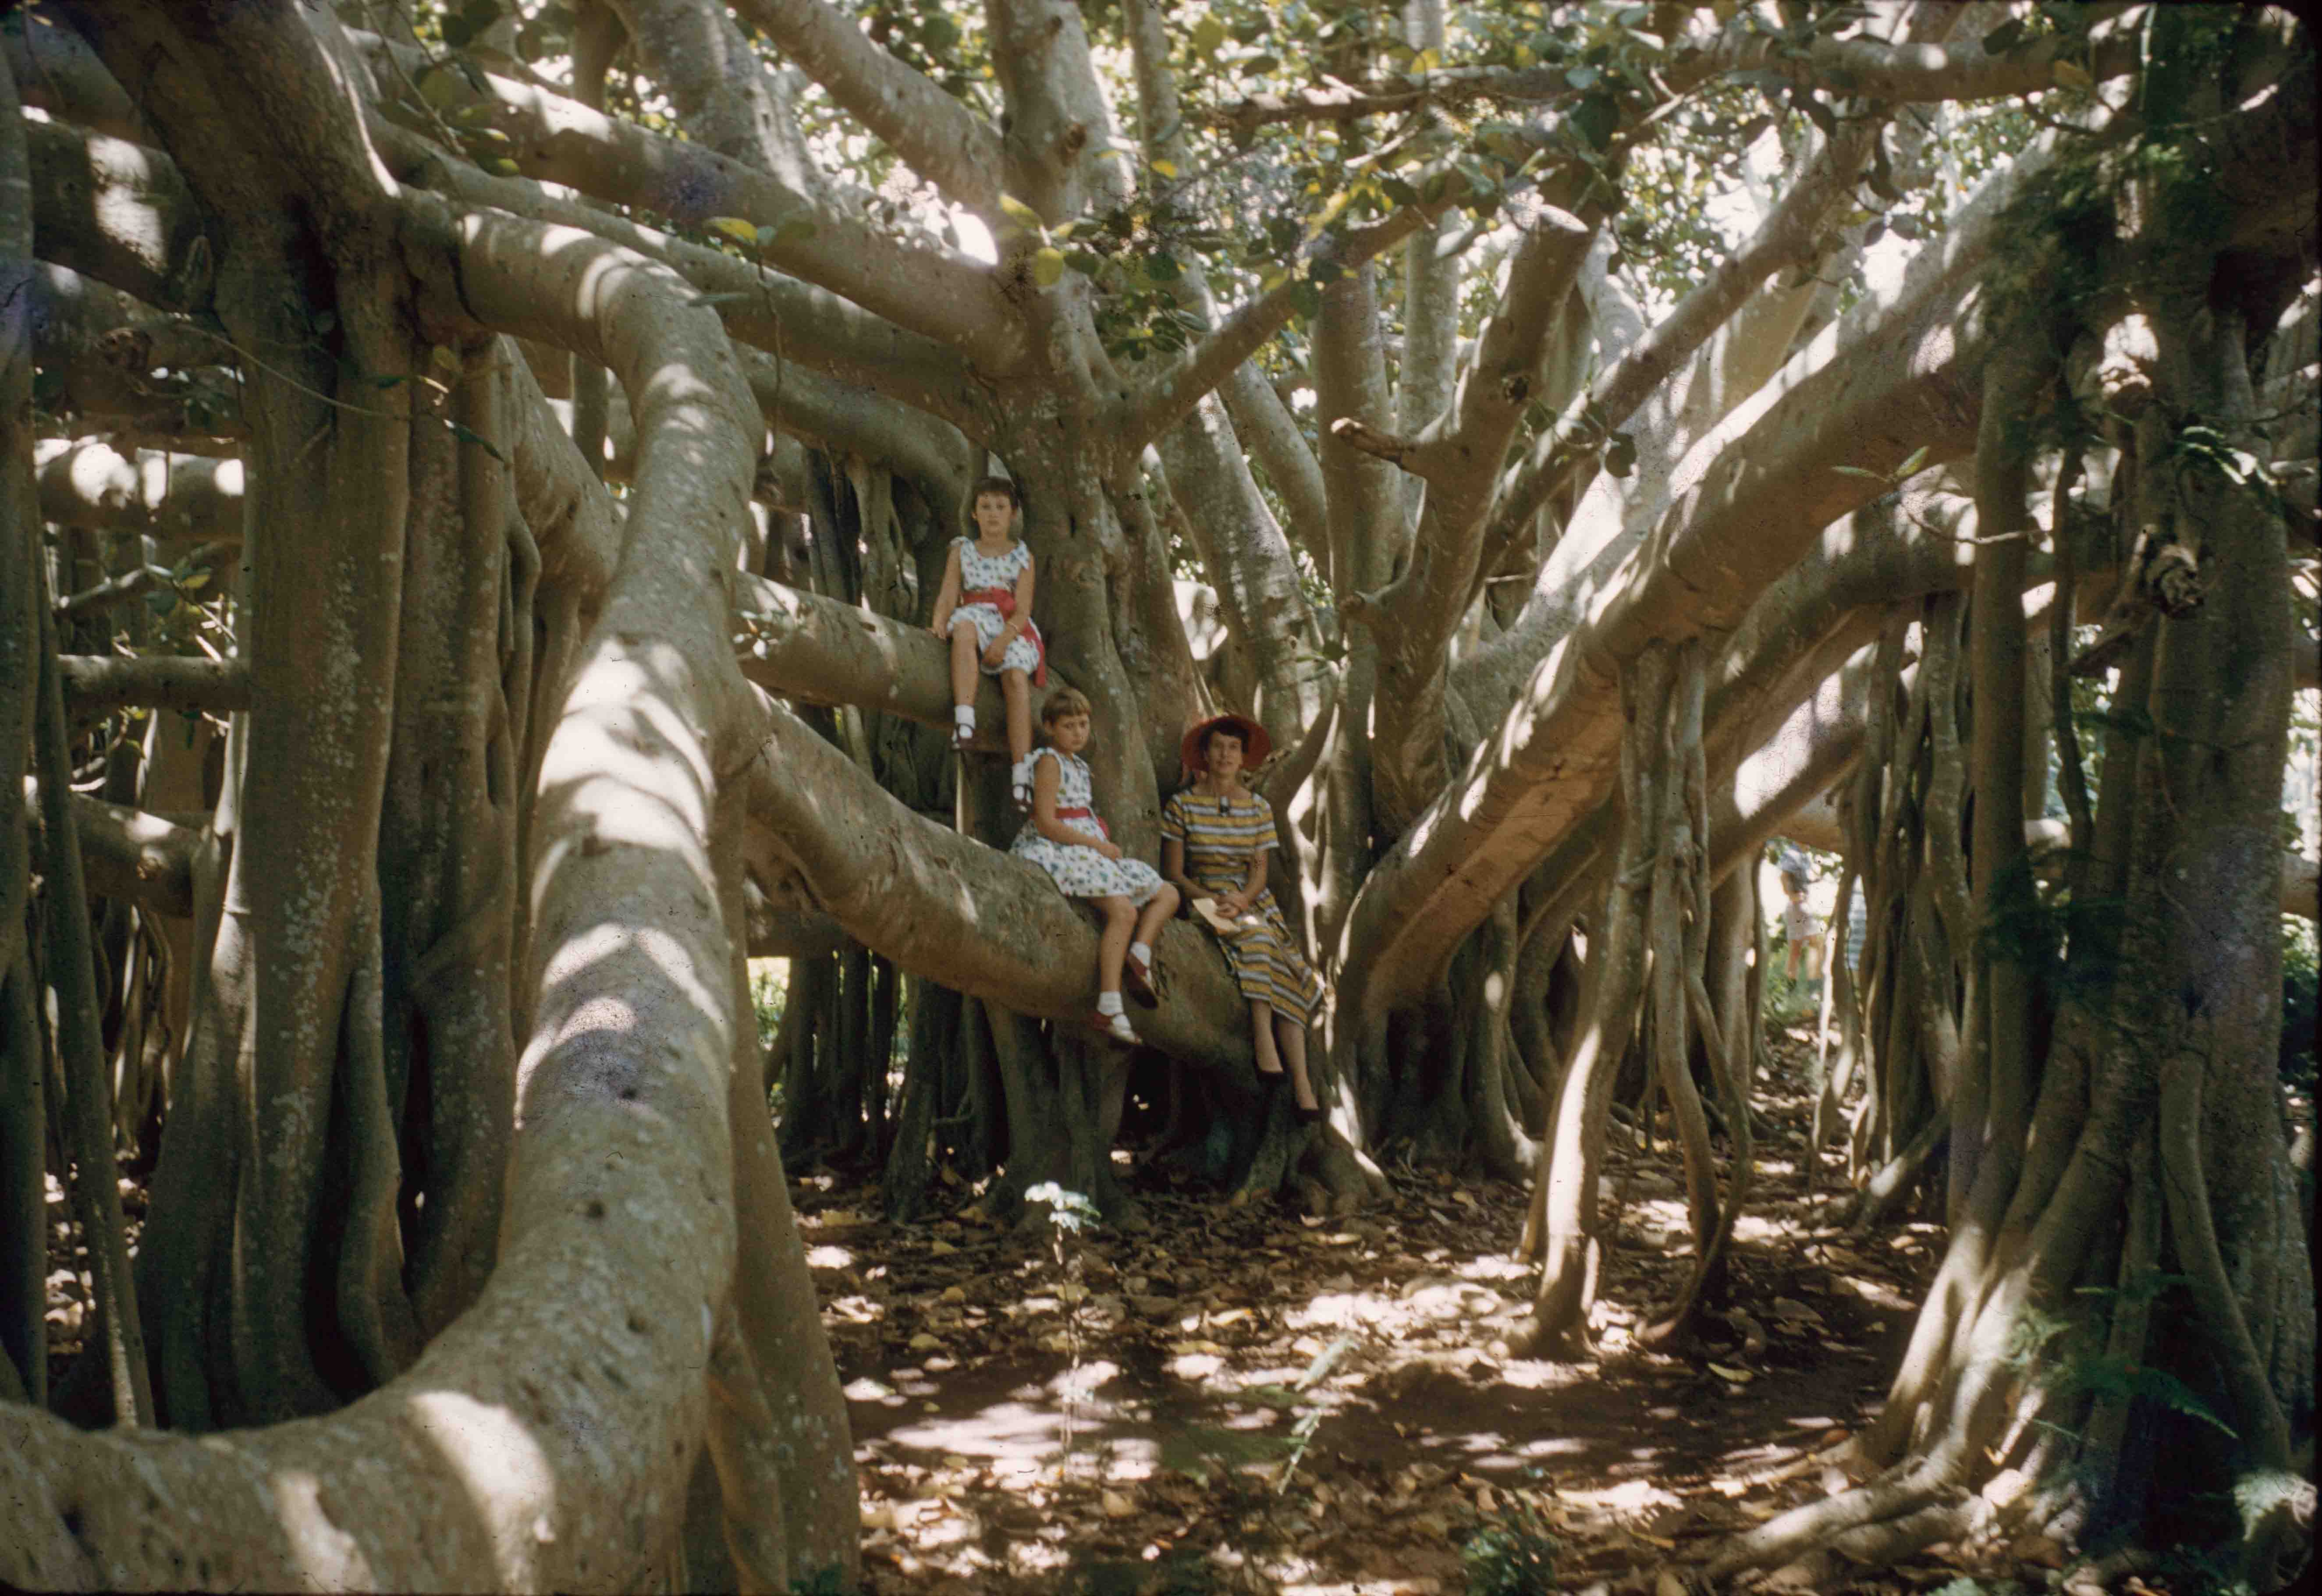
<point>508,1479</point>
<point>328,1556</point>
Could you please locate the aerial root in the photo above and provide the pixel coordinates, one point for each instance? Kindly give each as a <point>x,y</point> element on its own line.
<point>1875,1520</point>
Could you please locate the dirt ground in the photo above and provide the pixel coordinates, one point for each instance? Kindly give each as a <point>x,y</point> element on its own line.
<point>1255,1400</point>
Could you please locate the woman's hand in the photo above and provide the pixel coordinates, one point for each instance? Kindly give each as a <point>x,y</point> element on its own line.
<point>1233,905</point>
<point>1109,850</point>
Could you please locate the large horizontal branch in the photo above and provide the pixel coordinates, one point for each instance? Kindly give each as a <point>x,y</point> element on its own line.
<point>764,309</point>
<point>940,295</point>
<point>120,213</point>
<point>843,417</point>
<point>1883,383</point>
<point>979,921</point>
<point>55,71</point>
<point>822,651</point>
<point>937,135</point>
<point>174,498</point>
<point>128,854</point>
<point>97,683</point>
<point>1864,68</point>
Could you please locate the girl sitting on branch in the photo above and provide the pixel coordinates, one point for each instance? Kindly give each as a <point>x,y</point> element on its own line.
<point>1066,838</point>
<point>985,611</point>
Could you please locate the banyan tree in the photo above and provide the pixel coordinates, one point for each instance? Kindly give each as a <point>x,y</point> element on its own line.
<point>476,477</point>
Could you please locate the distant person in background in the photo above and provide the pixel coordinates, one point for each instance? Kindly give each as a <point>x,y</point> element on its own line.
<point>1798,928</point>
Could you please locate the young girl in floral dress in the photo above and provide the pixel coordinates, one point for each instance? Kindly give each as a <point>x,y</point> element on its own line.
<point>1066,838</point>
<point>1215,836</point>
<point>985,611</point>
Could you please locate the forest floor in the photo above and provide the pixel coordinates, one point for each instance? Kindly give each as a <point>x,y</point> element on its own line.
<point>1247,1399</point>
<point>1253,1400</point>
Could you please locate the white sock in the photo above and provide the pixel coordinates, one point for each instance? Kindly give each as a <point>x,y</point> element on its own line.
<point>1107,1003</point>
<point>1141,952</point>
<point>965,714</point>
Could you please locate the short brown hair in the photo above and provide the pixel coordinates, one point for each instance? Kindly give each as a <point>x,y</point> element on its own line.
<point>1061,703</point>
<point>984,485</point>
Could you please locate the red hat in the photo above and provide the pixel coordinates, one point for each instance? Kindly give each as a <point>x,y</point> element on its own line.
<point>1254,743</point>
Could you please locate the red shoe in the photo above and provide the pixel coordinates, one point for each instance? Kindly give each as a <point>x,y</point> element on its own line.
<point>1137,977</point>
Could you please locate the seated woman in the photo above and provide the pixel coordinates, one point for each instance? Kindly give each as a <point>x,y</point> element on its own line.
<point>1214,839</point>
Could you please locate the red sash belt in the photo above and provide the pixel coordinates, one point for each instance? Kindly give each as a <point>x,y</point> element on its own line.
<point>1003,599</point>
<point>1086,815</point>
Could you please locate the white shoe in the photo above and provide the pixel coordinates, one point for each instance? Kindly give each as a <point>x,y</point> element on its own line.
<point>1115,1027</point>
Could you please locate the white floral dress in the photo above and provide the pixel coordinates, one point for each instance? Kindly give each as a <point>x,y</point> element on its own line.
<point>1078,871</point>
<point>982,570</point>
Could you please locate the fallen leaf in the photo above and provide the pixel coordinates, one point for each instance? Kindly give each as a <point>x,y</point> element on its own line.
<point>1737,1376</point>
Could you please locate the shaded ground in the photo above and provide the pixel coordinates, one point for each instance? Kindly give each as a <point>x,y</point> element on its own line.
<point>1246,1400</point>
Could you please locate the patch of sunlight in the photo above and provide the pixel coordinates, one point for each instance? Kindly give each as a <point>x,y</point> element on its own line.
<point>1490,1450</point>
<point>830,1257</point>
<point>1338,1310</point>
<point>975,240</point>
<point>1629,1497</point>
<point>507,1475</point>
<point>1756,1227</point>
<point>328,1554</point>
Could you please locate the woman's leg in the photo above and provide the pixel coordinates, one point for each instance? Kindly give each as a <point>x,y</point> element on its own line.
<point>1019,694</point>
<point>964,656</point>
<point>1112,945</point>
<point>1157,911</point>
<point>1292,1035</point>
<point>1261,1037</point>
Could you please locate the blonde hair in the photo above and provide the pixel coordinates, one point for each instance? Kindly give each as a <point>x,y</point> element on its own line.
<point>1061,703</point>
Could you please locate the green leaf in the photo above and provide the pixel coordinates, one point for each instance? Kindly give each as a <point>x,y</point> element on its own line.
<point>1581,77</point>
<point>1023,216</point>
<point>1859,471</point>
<point>1168,168</point>
<point>1621,454</point>
<point>1047,266</point>
<point>1595,121</point>
<point>1910,467</point>
<point>2070,74</point>
<point>469,436</point>
<point>736,228</point>
<point>1162,266</point>
<point>439,87</point>
<point>1209,33</point>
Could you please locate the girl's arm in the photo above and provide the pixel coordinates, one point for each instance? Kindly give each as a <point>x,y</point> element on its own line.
<point>946,596</point>
<point>1047,775</point>
<point>1013,628</point>
<point>1024,584</point>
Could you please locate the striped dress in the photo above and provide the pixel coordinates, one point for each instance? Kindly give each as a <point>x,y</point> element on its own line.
<point>1221,836</point>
